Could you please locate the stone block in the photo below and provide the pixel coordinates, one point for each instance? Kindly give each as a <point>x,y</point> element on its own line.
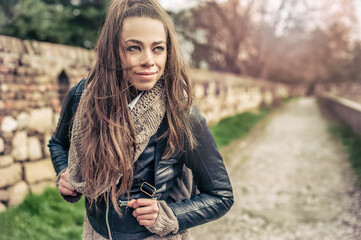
<point>37,96</point>
<point>199,91</point>
<point>8,124</point>
<point>4,196</point>
<point>9,105</point>
<point>41,186</point>
<point>21,70</point>
<point>17,193</point>
<point>2,104</point>
<point>42,88</point>
<point>2,145</point>
<point>4,87</point>
<point>8,137</point>
<point>47,137</point>
<point>42,79</point>
<point>282,91</point>
<point>6,161</point>
<point>41,120</point>
<point>34,148</point>
<point>23,120</point>
<point>31,88</point>
<point>10,78</point>
<point>30,50</point>
<point>267,98</point>
<point>11,95</point>
<point>56,119</point>
<point>2,207</point>
<point>10,175</point>
<point>4,69</point>
<point>39,171</point>
<point>20,105</point>
<point>20,146</point>
<point>55,105</point>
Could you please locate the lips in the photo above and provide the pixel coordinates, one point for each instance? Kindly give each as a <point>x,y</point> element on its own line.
<point>146,75</point>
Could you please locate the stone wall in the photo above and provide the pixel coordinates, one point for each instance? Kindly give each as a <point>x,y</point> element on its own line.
<point>348,89</point>
<point>35,77</point>
<point>344,109</point>
<point>219,95</point>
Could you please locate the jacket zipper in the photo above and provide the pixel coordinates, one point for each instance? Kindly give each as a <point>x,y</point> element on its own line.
<point>107,217</point>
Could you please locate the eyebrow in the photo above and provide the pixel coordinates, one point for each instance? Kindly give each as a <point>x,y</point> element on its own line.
<point>141,43</point>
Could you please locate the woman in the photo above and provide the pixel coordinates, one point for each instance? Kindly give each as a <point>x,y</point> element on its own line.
<point>132,129</point>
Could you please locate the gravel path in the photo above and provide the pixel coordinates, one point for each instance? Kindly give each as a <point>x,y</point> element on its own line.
<point>291,180</point>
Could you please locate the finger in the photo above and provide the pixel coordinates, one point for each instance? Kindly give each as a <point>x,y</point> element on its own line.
<point>65,174</point>
<point>66,192</point>
<point>142,202</point>
<point>131,203</point>
<point>152,217</point>
<point>64,179</point>
<point>146,222</point>
<point>66,185</point>
<point>146,210</point>
<point>66,188</point>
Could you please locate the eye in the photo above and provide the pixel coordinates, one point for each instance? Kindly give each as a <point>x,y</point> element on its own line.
<point>133,49</point>
<point>159,49</point>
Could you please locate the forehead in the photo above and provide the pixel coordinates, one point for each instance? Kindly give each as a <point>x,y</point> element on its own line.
<point>143,29</point>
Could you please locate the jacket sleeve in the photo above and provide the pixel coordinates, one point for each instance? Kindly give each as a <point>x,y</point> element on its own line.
<point>60,141</point>
<point>216,196</point>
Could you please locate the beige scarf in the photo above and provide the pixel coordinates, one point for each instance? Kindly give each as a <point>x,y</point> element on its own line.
<point>146,116</point>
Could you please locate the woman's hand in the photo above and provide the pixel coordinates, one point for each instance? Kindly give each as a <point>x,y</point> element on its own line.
<point>64,186</point>
<point>146,210</point>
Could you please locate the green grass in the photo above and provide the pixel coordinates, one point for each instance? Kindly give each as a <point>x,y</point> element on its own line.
<point>43,217</point>
<point>352,144</point>
<point>231,128</point>
<point>48,217</point>
<point>289,99</point>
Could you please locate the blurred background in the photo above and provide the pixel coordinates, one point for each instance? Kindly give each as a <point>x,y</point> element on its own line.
<point>319,40</point>
<point>248,58</point>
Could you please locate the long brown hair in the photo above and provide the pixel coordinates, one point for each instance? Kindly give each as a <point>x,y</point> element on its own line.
<point>109,135</point>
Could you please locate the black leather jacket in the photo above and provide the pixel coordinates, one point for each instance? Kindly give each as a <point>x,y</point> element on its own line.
<point>215,196</point>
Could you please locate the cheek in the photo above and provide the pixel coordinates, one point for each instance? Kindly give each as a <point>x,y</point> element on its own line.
<point>128,62</point>
<point>163,61</point>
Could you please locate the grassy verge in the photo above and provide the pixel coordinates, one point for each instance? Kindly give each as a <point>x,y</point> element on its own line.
<point>351,142</point>
<point>231,128</point>
<point>48,216</point>
<point>43,217</point>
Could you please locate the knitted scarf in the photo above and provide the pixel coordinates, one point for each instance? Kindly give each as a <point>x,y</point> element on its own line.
<point>146,117</point>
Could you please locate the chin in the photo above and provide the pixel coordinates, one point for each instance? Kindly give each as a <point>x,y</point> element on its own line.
<point>144,86</point>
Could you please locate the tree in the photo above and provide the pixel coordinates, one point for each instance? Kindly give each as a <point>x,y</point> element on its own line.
<point>73,22</point>
<point>354,66</point>
<point>285,40</point>
<point>218,33</point>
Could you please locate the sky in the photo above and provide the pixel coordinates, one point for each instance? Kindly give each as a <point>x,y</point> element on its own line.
<point>177,4</point>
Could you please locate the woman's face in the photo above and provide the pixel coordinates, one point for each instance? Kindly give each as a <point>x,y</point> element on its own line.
<point>144,51</point>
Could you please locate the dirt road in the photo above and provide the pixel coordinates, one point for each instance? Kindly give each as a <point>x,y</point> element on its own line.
<point>291,180</point>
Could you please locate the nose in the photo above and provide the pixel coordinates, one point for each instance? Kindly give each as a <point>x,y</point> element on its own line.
<point>148,59</point>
